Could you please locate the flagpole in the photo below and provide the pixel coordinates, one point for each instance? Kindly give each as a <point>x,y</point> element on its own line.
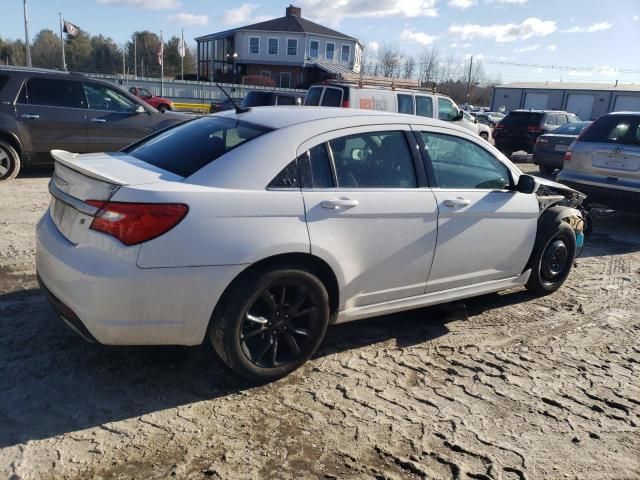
<point>135,55</point>
<point>184,52</point>
<point>161,65</point>
<point>64,61</point>
<point>26,34</point>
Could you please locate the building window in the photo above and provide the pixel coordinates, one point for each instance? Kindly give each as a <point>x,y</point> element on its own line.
<point>254,45</point>
<point>292,47</point>
<point>330,51</point>
<point>273,46</point>
<point>285,80</point>
<point>314,47</point>
<point>345,53</point>
<point>265,73</point>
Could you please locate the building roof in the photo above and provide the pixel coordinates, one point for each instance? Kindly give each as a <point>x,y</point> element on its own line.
<point>290,23</point>
<point>625,87</point>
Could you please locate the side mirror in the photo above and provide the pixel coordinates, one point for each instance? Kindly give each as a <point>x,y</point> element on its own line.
<point>526,184</point>
<point>140,109</point>
<point>458,117</point>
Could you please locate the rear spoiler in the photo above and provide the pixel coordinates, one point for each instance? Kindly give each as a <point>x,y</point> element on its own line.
<point>70,160</point>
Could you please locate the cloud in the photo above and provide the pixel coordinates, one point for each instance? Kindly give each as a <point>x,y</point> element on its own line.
<point>241,14</point>
<point>410,35</point>
<point>374,46</point>
<point>509,32</point>
<point>508,2</point>
<point>333,12</point>
<point>477,56</point>
<point>146,4</point>
<point>462,4</point>
<point>607,70</point>
<point>460,45</point>
<point>552,47</point>
<point>189,19</point>
<point>529,48</point>
<point>596,27</point>
<point>580,73</point>
<point>636,18</point>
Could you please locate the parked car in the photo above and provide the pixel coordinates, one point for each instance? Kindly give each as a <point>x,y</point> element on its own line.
<point>222,105</point>
<point>162,104</point>
<point>548,152</point>
<point>520,129</point>
<point>469,122</point>
<point>604,162</point>
<point>490,119</point>
<point>345,215</point>
<point>423,103</point>
<point>263,98</point>
<point>42,109</point>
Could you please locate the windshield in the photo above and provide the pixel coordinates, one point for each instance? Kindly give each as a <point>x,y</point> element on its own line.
<point>572,128</point>
<point>186,148</point>
<point>313,96</point>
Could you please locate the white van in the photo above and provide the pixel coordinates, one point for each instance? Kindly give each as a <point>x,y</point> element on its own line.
<point>390,99</point>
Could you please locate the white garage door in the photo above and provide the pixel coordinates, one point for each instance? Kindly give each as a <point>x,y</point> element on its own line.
<point>581,104</point>
<point>537,101</point>
<point>627,103</point>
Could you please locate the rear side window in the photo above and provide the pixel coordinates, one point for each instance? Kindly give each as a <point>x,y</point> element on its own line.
<point>3,80</point>
<point>405,104</point>
<point>571,128</point>
<point>186,148</point>
<point>315,168</point>
<point>258,99</point>
<point>287,178</point>
<point>313,96</point>
<point>623,129</point>
<point>332,97</point>
<point>522,118</point>
<point>424,106</point>
<point>52,93</point>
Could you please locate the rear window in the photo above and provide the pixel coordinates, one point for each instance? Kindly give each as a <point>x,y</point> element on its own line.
<point>3,80</point>
<point>571,129</point>
<point>614,129</point>
<point>186,148</point>
<point>522,118</point>
<point>332,97</point>
<point>259,99</point>
<point>313,96</point>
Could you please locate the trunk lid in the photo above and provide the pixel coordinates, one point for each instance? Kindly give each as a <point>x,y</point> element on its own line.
<point>616,160</point>
<point>556,143</point>
<point>95,176</point>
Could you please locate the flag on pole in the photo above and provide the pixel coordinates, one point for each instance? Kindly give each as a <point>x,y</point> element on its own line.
<point>182,48</point>
<point>160,52</point>
<point>71,29</point>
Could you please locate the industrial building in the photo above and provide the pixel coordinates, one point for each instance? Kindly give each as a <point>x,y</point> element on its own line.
<point>587,100</point>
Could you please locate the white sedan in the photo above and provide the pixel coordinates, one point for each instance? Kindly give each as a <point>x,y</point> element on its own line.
<point>259,229</point>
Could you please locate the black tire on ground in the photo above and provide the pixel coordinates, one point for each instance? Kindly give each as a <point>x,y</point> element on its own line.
<point>163,108</point>
<point>546,169</point>
<point>270,323</point>
<point>553,260</point>
<point>9,161</point>
<point>507,152</point>
<point>484,135</point>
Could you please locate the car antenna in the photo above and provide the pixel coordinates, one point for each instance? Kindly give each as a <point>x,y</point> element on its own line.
<point>238,108</point>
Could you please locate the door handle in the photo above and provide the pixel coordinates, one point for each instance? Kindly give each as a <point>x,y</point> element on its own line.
<point>457,202</point>
<point>30,116</point>
<point>339,203</point>
<point>98,120</point>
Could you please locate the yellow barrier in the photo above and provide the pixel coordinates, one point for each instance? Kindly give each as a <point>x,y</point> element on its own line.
<point>192,107</point>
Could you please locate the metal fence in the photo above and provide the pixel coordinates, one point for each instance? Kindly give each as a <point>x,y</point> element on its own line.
<point>187,91</point>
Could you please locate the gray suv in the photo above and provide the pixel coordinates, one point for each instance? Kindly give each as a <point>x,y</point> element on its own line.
<point>604,162</point>
<point>41,110</point>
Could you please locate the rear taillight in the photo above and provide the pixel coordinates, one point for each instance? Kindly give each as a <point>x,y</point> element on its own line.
<point>568,155</point>
<point>499,127</point>
<point>345,104</point>
<point>134,223</point>
<point>534,129</point>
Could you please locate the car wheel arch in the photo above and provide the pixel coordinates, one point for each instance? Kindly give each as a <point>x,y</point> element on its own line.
<point>12,140</point>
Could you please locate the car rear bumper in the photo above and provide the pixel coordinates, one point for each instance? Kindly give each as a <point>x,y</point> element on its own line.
<point>603,192</point>
<point>110,300</point>
<point>550,159</point>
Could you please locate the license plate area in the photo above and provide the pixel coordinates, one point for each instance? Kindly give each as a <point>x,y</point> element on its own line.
<point>64,217</point>
<point>561,148</point>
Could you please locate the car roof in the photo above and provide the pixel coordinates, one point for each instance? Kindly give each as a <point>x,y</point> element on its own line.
<point>534,110</point>
<point>285,116</point>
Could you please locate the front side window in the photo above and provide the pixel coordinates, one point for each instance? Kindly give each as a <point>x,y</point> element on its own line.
<point>314,46</point>
<point>330,51</point>
<point>52,93</point>
<point>254,45</point>
<point>188,147</point>
<point>285,100</point>
<point>273,46</point>
<point>446,109</point>
<point>101,97</point>
<point>345,53</point>
<point>332,97</point>
<point>285,80</point>
<point>144,93</point>
<point>315,168</point>
<point>292,47</point>
<point>405,104</point>
<point>459,163</point>
<point>373,160</point>
<point>424,106</point>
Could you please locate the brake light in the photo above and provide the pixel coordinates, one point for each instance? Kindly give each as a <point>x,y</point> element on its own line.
<point>345,104</point>
<point>568,155</point>
<point>134,223</point>
<point>499,127</point>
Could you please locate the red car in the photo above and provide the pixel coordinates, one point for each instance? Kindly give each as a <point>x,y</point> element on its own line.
<point>162,104</point>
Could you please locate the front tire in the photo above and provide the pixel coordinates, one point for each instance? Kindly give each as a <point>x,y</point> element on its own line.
<point>9,161</point>
<point>553,260</point>
<point>270,323</point>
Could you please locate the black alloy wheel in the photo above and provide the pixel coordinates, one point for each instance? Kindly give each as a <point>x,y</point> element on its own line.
<point>554,260</point>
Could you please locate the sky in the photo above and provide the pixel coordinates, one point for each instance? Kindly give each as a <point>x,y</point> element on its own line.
<point>601,38</point>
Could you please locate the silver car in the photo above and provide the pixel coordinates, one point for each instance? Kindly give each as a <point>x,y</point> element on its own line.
<point>604,162</point>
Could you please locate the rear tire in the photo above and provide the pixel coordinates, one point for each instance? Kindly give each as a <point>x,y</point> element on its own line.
<point>270,323</point>
<point>552,261</point>
<point>9,162</point>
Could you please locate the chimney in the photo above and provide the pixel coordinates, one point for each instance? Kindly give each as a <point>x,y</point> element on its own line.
<point>293,11</point>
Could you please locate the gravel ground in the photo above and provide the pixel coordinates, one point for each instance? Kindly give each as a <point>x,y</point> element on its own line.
<point>505,386</point>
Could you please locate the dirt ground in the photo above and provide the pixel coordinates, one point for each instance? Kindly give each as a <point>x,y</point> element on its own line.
<point>505,386</point>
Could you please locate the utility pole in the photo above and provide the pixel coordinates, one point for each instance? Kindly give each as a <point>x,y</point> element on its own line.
<point>123,63</point>
<point>469,81</point>
<point>161,55</point>
<point>26,34</point>
<point>183,53</point>
<point>135,55</point>
<point>64,61</point>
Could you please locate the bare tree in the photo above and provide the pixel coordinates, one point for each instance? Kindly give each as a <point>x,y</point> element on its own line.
<point>389,60</point>
<point>428,66</point>
<point>408,67</point>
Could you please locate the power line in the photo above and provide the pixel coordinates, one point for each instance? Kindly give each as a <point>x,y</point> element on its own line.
<point>561,67</point>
